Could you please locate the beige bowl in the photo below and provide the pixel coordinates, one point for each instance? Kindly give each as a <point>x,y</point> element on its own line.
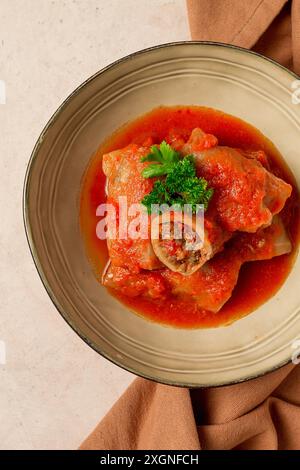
<point>228,78</point>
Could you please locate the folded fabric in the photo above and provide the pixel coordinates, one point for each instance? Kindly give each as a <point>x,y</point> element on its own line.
<point>270,27</point>
<point>260,414</point>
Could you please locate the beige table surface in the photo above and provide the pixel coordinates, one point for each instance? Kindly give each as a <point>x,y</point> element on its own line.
<point>54,388</point>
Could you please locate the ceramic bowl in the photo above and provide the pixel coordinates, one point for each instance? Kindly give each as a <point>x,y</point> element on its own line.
<point>215,75</point>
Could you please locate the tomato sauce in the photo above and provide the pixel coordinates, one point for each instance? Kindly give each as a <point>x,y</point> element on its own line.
<point>258,280</point>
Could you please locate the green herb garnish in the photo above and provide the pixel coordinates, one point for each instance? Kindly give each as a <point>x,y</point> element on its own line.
<point>180,186</point>
<point>165,156</point>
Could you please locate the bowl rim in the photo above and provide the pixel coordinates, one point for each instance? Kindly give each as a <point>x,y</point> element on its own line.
<point>26,217</point>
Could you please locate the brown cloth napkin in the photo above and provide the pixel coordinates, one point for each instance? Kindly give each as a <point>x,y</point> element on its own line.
<point>270,27</point>
<point>260,414</point>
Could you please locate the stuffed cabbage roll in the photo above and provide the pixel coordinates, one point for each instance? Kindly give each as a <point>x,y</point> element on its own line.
<point>123,170</point>
<point>187,247</point>
<point>246,194</point>
<point>212,285</point>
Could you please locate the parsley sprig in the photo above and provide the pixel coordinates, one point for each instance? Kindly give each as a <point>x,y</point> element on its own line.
<point>165,156</point>
<point>180,184</point>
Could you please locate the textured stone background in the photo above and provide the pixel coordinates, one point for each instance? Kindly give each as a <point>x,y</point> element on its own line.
<point>53,388</point>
